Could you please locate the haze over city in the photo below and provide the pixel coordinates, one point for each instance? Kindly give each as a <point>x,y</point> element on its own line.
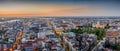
<point>59,25</point>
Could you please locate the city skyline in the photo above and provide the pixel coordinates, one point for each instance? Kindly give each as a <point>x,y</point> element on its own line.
<point>59,25</point>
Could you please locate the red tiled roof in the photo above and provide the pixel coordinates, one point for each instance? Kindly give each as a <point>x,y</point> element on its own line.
<point>112,33</point>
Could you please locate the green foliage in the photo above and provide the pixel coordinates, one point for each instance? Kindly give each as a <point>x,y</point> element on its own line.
<point>116,47</point>
<point>98,31</point>
<point>78,31</point>
<point>107,26</point>
<point>6,39</point>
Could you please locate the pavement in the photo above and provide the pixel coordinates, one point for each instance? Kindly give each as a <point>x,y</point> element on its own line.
<point>62,43</point>
<point>19,36</point>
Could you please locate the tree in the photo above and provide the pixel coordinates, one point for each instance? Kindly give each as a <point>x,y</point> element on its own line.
<point>107,26</point>
<point>118,47</point>
<point>97,31</point>
<point>6,39</point>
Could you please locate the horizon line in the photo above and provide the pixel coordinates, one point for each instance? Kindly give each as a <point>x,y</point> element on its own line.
<point>51,16</point>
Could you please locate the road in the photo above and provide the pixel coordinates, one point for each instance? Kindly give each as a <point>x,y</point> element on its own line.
<point>62,43</point>
<point>17,41</point>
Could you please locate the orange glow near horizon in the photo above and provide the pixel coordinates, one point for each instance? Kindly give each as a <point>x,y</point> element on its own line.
<point>46,12</point>
<point>49,10</point>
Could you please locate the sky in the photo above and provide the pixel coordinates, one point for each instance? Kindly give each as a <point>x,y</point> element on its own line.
<point>10,8</point>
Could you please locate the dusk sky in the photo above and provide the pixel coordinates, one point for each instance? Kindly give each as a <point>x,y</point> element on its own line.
<point>59,8</point>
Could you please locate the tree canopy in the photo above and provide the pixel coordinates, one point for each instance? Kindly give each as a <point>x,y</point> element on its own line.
<point>98,31</point>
